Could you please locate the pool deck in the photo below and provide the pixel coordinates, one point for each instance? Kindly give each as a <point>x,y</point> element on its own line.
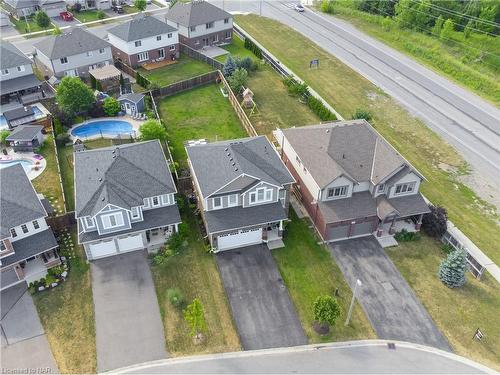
<point>136,124</point>
<point>30,156</point>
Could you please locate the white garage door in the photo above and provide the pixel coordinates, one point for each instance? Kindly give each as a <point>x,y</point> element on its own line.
<point>242,238</point>
<point>102,249</point>
<point>131,243</point>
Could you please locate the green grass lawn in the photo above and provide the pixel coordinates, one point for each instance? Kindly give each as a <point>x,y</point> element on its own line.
<point>346,91</point>
<point>67,315</point>
<point>184,68</point>
<point>129,9</point>
<point>88,16</point>
<point>475,70</point>
<point>48,182</point>
<point>457,312</point>
<point>236,49</point>
<point>22,28</point>
<point>309,271</point>
<point>199,113</point>
<point>194,272</point>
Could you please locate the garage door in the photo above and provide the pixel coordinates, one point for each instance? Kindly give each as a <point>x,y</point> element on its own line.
<point>242,238</point>
<point>362,228</point>
<point>336,233</point>
<point>102,249</point>
<point>53,12</point>
<point>130,243</point>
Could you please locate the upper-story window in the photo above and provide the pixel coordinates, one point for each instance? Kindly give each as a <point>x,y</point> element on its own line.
<point>209,25</point>
<point>24,228</point>
<point>261,195</point>
<point>136,214</point>
<point>89,53</point>
<point>156,201</point>
<point>169,35</point>
<point>380,188</point>
<point>192,28</point>
<point>21,68</point>
<point>112,220</point>
<point>158,37</point>
<point>2,246</point>
<point>13,233</point>
<point>232,200</point>
<point>5,72</point>
<point>226,20</point>
<point>35,224</point>
<point>405,188</point>
<point>89,222</point>
<point>101,51</point>
<point>340,191</point>
<point>138,43</point>
<point>217,202</point>
<point>297,159</point>
<point>64,60</point>
<point>172,47</point>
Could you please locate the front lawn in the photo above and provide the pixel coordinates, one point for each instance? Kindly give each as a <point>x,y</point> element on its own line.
<point>199,113</point>
<point>457,312</point>
<point>346,91</point>
<point>67,315</point>
<point>309,271</point>
<point>184,68</point>
<point>23,28</point>
<point>48,182</point>
<point>88,16</point>
<point>194,272</point>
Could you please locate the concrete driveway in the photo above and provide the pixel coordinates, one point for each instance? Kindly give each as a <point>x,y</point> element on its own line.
<point>128,324</point>
<point>391,306</point>
<point>24,344</point>
<point>59,22</point>
<point>264,314</point>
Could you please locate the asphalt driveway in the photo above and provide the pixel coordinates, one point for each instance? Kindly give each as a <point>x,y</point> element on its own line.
<point>128,323</point>
<point>24,344</point>
<point>264,314</point>
<point>391,306</point>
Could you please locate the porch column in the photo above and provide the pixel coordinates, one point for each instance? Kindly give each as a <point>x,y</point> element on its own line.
<point>391,229</point>
<point>176,228</point>
<point>19,272</point>
<point>280,229</point>
<point>380,226</point>
<point>419,222</point>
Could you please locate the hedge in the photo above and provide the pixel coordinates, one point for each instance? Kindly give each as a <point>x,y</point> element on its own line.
<point>249,45</point>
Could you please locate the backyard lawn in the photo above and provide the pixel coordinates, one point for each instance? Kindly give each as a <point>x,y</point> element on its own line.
<point>309,271</point>
<point>48,182</point>
<point>199,113</point>
<point>184,68</point>
<point>67,315</point>
<point>194,272</point>
<point>346,91</point>
<point>88,15</point>
<point>457,312</point>
<point>236,49</point>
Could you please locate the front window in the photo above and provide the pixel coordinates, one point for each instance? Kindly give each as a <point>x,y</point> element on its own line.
<point>209,25</point>
<point>136,213</point>
<point>405,188</point>
<point>233,200</point>
<point>112,220</point>
<point>13,233</point>
<point>172,48</point>
<point>138,43</point>
<point>169,35</point>
<point>340,191</point>
<point>89,221</point>
<point>217,202</point>
<point>64,60</point>
<point>35,224</point>
<point>261,195</point>
<point>228,34</point>
<point>159,37</point>
<point>24,228</point>
<point>89,53</point>
<point>5,72</point>
<point>20,68</point>
<point>156,201</point>
<point>101,51</point>
<point>192,28</point>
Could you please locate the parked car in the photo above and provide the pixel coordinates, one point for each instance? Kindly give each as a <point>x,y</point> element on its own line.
<point>117,8</point>
<point>66,16</point>
<point>299,8</point>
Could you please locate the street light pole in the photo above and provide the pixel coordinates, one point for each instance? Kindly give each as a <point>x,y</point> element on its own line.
<point>358,284</point>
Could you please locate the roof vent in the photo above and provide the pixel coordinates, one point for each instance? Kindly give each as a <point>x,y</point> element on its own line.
<point>114,156</point>
<point>235,169</point>
<point>233,164</point>
<point>102,199</point>
<point>230,159</point>
<point>100,179</point>
<point>328,130</point>
<point>226,149</point>
<point>228,154</point>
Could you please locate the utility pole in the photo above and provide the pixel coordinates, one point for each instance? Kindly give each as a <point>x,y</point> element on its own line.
<point>358,284</point>
<point>260,7</point>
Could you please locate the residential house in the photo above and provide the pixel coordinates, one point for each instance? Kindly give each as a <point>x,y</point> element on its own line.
<point>144,39</point>
<point>242,188</point>
<point>125,199</point>
<point>201,24</point>
<point>132,103</point>
<point>28,247</point>
<point>351,181</point>
<point>26,138</point>
<point>26,8</point>
<point>72,54</point>
<point>19,85</point>
<point>91,4</point>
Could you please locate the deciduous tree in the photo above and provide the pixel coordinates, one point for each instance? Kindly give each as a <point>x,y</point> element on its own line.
<point>326,310</point>
<point>42,19</point>
<point>73,96</point>
<point>195,318</point>
<point>111,106</point>
<point>140,5</point>
<point>152,129</point>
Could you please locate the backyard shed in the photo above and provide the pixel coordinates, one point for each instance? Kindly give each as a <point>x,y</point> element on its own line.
<point>132,103</point>
<point>26,138</point>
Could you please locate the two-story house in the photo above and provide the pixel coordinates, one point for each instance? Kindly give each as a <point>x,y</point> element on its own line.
<point>125,199</point>
<point>144,39</point>
<point>28,247</point>
<point>18,84</point>
<point>91,4</point>
<point>242,188</point>
<point>26,8</point>
<point>72,53</point>
<point>351,181</point>
<point>201,24</point>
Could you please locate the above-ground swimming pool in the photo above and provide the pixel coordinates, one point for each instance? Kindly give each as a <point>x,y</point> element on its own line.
<point>26,164</point>
<point>102,127</point>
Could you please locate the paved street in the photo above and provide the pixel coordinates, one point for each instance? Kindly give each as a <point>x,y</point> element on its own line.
<point>128,323</point>
<point>389,303</point>
<point>264,314</point>
<point>24,343</point>
<point>361,357</point>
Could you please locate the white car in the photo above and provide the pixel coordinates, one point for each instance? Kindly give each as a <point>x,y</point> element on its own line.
<point>299,8</point>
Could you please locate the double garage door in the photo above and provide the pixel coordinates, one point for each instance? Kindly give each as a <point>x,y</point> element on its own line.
<point>350,230</point>
<point>112,247</point>
<point>239,239</point>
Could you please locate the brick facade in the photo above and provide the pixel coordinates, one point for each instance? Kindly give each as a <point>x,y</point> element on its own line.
<point>153,54</point>
<point>213,39</point>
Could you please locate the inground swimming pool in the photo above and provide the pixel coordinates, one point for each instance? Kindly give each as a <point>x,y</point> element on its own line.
<point>26,164</point>
<point>102,127</point>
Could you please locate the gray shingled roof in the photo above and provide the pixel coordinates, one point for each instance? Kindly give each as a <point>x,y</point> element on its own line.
<point>25,133</point>
<point>11,57</point>
<point>20,4</point>
<point>196,13</point>
<point>409,205</point>
<point>217,164</point>
<point>19,83</point>
<point>132,97</point>
<point>73,42</point>
<point>139,27</point>
<point>19,202</point>
<point>241,217</point>
<point>350,148</point>
<point>31,246</point>
<point>358,205</point>
<point>120,175</point>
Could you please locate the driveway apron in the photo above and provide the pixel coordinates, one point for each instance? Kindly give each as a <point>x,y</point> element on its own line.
<point>390,304</point>
<point>264,314</point>
<point>129,329</point>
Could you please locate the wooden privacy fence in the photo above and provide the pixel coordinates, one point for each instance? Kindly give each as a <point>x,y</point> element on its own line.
<point>187,84</point>
<point>201,57</point>
<point>127,69</point>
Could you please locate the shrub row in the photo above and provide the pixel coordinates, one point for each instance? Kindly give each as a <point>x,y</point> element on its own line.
<point>251,46</point>
<point>301,89</point>
<point>141,80</point>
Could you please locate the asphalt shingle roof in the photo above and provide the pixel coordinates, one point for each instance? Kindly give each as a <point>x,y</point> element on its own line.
<point>139,27</point>
<point>19,202</point>
<point>19,83</point>
<point>196,13</point>
<point>73,42</point>
<point>358,205</point>
<point>132,97</point>
<point>217,164</point>
<point>11,57</point>
<point>120,175</point>
<point>30,246</point>
<point>20,4</point>
<point>25,133</point>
